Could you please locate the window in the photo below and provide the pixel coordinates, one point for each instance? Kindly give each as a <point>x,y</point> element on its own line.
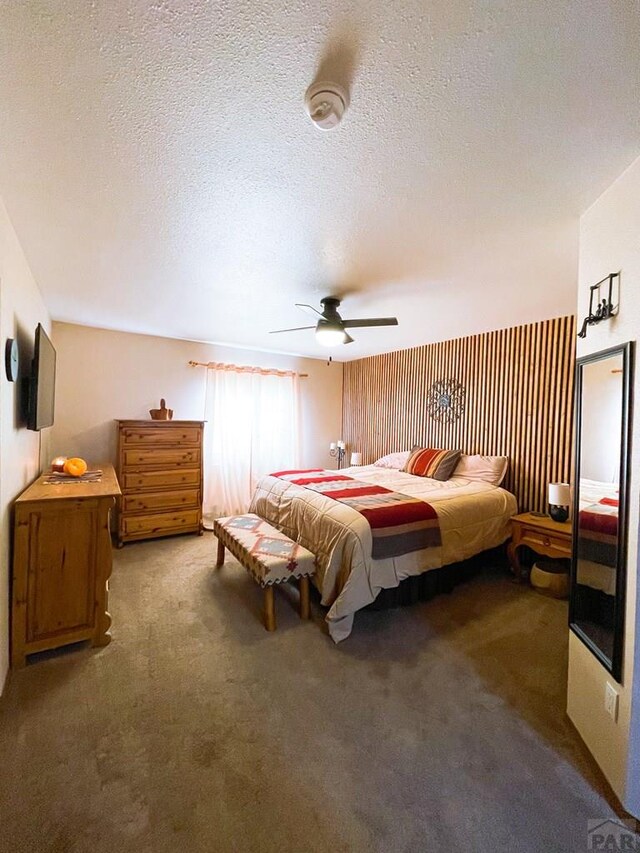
<point>252,429</point>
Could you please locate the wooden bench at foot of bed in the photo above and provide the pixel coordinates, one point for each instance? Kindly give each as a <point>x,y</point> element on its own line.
<point>268,555</point>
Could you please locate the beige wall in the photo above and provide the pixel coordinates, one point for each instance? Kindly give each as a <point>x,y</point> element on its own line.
<point>104,375</point>
<point>609,242</point>
<point>21,309</point>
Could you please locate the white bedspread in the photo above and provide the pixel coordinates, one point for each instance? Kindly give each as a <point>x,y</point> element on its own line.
<point>473,517</point>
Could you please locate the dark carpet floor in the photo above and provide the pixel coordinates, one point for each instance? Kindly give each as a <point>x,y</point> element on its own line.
<point>438,727</point>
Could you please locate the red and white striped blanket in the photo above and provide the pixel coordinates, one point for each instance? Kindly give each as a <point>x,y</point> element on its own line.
<point>601,518</point>
<point>399,523</point>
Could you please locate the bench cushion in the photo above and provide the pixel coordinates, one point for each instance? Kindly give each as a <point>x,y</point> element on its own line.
<point>268,554</point>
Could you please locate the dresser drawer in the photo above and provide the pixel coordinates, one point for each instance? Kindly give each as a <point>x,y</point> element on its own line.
<point>162,456</point>
<point>542,539</point>
<point>159,522</point>
<point>150,480</point>
<point>152,436</point>
<point>153,501</point>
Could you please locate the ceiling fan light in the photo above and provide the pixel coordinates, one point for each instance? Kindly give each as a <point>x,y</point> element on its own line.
<point>330,336</point>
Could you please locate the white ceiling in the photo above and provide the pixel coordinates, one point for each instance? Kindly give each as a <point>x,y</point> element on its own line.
<point>163,177</point>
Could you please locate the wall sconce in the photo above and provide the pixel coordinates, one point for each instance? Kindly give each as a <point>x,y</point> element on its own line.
<point>337,450</point>
<point>356,459</point>
<point>605,309</point>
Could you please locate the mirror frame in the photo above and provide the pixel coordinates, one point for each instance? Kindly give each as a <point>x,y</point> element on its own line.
<point>613,665</point>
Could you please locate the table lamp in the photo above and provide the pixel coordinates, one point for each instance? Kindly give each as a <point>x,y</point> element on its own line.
<point>559,501</point>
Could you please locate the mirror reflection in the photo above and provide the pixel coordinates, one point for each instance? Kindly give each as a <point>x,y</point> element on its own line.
<point>599,486</point>
<point>597,594</point>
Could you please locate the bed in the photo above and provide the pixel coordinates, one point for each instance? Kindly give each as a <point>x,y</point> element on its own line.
<point>598,535</point>
<point>594,593</point>
<point>474,516</point>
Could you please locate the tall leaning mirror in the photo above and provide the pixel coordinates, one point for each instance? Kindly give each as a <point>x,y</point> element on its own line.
<point>598,572</point>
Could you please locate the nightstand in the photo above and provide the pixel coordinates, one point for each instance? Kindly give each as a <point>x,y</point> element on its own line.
<point>540,533</point>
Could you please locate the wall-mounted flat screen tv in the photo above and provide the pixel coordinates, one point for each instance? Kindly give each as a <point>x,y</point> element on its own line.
<point>42,386</point>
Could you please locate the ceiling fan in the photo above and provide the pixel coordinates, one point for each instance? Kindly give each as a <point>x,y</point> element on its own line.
<point>330,327</point>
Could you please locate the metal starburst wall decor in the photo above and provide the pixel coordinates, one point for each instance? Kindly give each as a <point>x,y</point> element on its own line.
<point>445,400</point>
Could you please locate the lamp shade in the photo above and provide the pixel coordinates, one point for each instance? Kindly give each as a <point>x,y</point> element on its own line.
<point>559,494</point>
<point>330,335</point>
<point>356,458</point>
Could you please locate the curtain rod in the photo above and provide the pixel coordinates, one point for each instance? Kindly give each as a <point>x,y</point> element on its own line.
<point>263,371</point>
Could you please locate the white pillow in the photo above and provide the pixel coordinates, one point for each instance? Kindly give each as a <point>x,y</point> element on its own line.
<point>394,460</point>
<point>483,469</point>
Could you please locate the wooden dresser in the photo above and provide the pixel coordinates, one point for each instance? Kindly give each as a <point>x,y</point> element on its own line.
<point>61,565</point>
<point>160,473</point>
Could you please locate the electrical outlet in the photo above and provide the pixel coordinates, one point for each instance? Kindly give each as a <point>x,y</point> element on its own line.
<point>611,700</point>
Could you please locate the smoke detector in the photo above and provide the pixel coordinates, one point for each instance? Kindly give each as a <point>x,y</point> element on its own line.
<point>326,103</point>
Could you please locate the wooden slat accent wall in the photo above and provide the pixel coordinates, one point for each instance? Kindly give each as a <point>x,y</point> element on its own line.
<point>519,402</point>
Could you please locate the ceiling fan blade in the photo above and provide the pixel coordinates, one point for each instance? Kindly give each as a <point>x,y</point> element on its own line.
<point>297,329</point>
<point>348,339</point>
<point>372,321</point>
<point>308,309</point>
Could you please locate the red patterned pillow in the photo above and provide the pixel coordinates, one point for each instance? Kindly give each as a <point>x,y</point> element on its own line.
<point>431,462</point>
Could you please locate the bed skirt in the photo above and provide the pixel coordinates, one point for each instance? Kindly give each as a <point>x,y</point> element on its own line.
<point>437,581</point>
<point>595,606</point>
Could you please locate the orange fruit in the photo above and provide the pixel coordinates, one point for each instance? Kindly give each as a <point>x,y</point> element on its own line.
<point>75,466</point>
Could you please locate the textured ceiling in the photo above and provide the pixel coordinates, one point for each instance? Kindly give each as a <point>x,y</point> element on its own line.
<point>163,176</point>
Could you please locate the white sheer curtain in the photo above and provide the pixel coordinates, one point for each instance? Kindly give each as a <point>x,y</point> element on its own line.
<point>252,429</point>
